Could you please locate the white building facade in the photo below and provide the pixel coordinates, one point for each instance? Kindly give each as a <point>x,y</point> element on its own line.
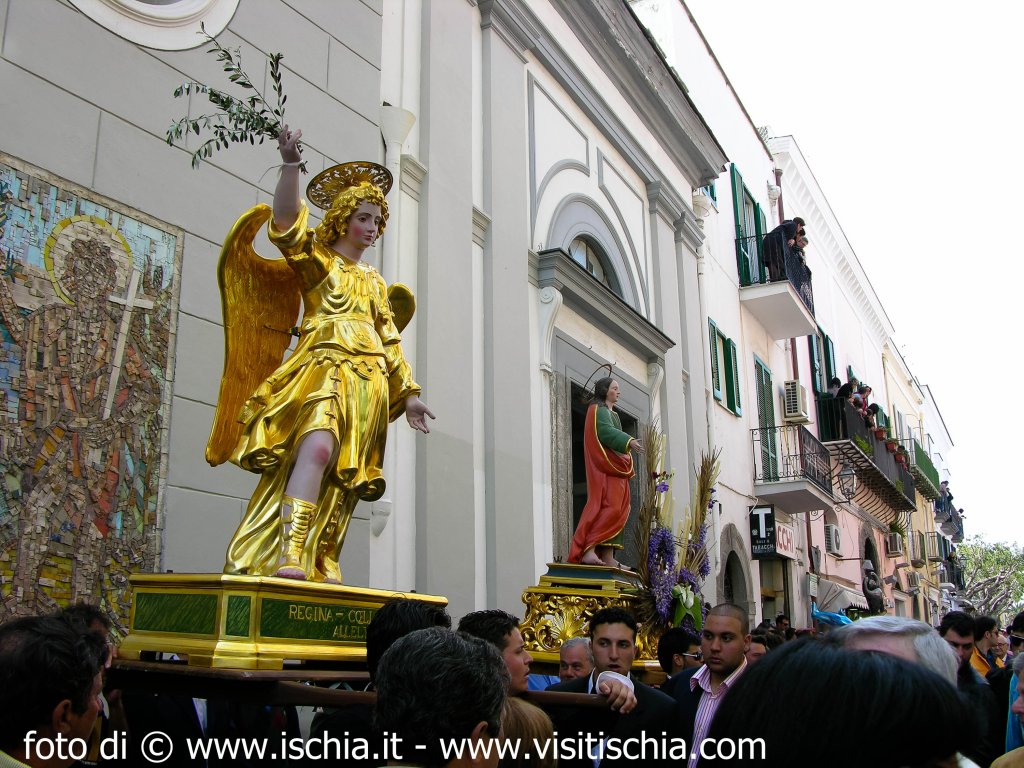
<point>564,200</point>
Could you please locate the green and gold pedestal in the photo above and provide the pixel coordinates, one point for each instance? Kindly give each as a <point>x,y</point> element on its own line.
<point>561,606</point>
<point>248,622</point>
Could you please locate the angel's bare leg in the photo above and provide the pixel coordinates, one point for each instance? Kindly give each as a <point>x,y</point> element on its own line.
<point>299,504</point>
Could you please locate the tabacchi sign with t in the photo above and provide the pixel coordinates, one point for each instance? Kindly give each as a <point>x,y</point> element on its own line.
<point>769,538</point>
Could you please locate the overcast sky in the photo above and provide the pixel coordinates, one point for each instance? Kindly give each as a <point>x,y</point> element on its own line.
<point>908,114</point>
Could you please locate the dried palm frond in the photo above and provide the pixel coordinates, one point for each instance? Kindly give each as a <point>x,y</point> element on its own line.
<point>691,537</point>
<point>650,503</point>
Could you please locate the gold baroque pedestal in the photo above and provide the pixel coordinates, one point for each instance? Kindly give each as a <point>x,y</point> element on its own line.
<point>250,622</point>
<point>561,606</point>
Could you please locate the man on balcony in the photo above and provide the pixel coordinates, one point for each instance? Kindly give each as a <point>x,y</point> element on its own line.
<point>777,245</point>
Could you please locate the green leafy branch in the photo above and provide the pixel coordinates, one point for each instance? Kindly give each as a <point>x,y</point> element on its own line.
<point>251,119</point>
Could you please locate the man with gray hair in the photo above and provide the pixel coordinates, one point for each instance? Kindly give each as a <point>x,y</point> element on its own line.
<point>436,686</point>
<point>909,639</point>
<point>575,659</point>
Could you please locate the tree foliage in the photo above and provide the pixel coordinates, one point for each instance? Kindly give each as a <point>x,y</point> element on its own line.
<point>993,576</point>
<point>251,119</point>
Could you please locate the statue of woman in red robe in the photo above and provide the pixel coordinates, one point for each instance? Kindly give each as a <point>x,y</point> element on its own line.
<point>606,449</point>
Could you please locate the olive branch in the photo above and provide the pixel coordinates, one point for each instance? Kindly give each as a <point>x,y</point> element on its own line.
<point>250,119</point>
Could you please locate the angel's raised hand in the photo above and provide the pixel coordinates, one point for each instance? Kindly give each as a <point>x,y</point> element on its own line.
<point>288,144</point>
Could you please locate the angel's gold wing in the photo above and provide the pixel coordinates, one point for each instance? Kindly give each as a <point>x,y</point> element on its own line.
<point>260,299</point>
<point>403,304</point>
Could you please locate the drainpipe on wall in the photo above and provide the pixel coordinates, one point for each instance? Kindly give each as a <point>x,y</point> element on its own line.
<point>796,377</point>
<point>782,217</point>
<point>395,124</point>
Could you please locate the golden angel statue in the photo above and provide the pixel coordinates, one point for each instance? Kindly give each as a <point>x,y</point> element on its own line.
<point>314,425</point>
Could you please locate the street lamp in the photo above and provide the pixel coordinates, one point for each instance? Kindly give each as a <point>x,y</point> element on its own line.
<point>848,482</point>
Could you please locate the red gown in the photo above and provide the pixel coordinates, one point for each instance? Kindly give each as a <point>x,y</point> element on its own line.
<point>608,474</point>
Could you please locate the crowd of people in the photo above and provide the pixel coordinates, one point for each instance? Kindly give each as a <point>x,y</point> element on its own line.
<point>882,691</point>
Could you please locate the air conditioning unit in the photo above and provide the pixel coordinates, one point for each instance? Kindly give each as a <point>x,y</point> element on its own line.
<point>913,580</point>
<point>833,541</point>
<point>893,545</point>
<point>795,403</point>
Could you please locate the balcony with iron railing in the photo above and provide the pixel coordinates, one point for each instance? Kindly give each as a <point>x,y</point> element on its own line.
<point>918,550</point>
<point>937,547</point>
<point>926,477</point>
<point>776,288</point>
<point>843,430</point>
<point>791,468</point>
<point>951,576</point>
<point>948,517</point>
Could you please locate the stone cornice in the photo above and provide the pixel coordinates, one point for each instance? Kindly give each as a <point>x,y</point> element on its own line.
<point>586,296</point>
<point>689,230</point>
<point>481,224</point>
<point>413,173</point>
<point>664,200</point>
<point>507,19</point>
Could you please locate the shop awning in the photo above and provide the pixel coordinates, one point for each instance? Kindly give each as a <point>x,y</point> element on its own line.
<point>834,597</point>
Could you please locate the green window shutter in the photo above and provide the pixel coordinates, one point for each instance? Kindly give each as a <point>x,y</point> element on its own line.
<point>732,377</point>
<point>761,228</point>
<point>814,346</point>
<point>716,380</point>
<point>830,359</point>
<point>765,397</point>
<point>737,200</point>
<point>766,421</point>
<point>742,263</point>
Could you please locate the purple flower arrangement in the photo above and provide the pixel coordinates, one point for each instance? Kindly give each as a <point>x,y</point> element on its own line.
<point>661,568</point>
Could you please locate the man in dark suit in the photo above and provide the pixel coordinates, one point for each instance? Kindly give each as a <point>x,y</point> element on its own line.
<point>678,650</point>
<point>724,642</point>
<point>603,736</point>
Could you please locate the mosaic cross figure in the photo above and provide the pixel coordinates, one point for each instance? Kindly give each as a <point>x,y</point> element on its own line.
<point>129,301</point>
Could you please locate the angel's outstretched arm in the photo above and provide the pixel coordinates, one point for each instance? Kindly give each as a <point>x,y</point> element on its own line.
<point>286,195</point>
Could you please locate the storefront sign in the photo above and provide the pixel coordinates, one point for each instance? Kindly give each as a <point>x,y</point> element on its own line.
<point>785,541</point>
<point>768,538</point>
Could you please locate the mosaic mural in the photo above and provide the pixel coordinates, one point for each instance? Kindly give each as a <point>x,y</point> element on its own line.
<point>88,306</point>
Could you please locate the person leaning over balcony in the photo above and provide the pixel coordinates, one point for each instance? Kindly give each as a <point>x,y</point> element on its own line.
<point>865,392</point>
<point>777,244</point>
<point>834,386</point>
<point>846,391</point>
<point>798,250</point>
<point>871,415</point>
